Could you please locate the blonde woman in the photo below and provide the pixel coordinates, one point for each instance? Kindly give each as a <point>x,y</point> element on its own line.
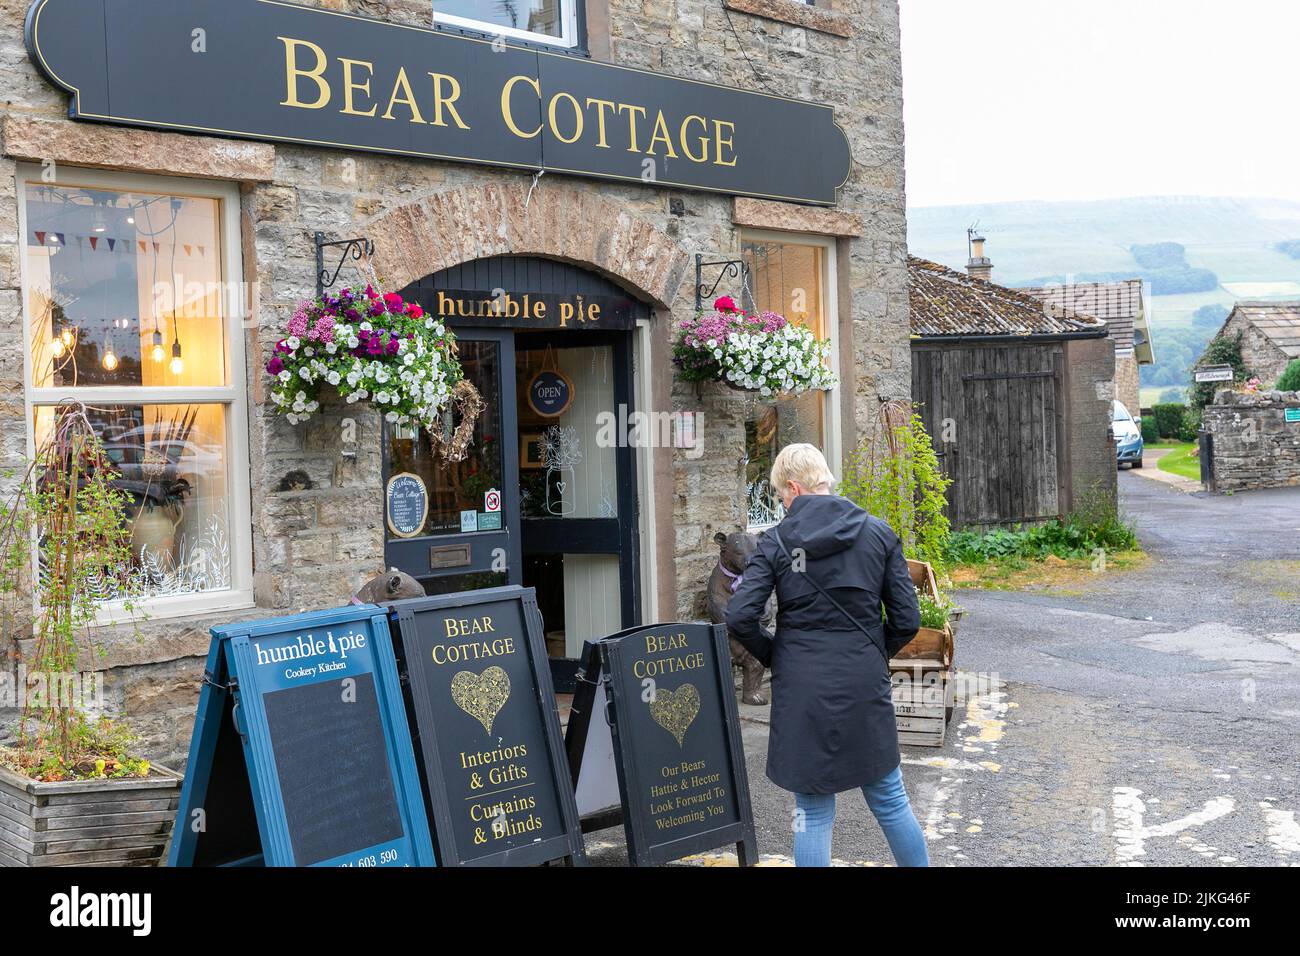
<point>832,728</point>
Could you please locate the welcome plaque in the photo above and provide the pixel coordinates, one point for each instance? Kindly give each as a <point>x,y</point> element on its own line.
<point>671,705</point>
<point>487,728</point>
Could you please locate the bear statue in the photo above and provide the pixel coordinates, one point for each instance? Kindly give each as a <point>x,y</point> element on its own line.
<point>735,550</point>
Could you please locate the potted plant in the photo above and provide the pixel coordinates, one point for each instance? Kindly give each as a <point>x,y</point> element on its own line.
<point>149,472</point>
<point>761,352</point>
<point>74,790</point>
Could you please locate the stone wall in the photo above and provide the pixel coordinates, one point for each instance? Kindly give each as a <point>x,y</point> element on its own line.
<point>1261,357</point>
<point>311,547</point>
<point>1254,445</point>
<point>1090,370</point>
<point>1127,387</point>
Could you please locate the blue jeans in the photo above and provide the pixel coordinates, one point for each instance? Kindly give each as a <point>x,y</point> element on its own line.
<point>888,801</point>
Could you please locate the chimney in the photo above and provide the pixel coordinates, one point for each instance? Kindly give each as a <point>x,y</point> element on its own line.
<point>979,266</point>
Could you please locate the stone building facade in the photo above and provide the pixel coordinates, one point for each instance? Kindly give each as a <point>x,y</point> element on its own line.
<point>1270,336</point>
<point>1255,444</point>
<point>305,503</point>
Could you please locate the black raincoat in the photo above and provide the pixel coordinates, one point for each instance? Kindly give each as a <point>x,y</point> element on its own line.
<point>832,726</point>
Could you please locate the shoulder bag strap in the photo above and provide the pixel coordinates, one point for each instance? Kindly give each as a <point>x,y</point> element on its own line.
<point>880,643</point>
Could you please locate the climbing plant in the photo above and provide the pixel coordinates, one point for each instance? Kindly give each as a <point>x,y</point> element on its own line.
<point>895,475</point>
<point>1222,350</point>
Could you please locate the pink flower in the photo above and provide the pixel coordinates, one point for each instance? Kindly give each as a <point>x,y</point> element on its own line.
<point>324,329</point>
<point>298,324</point>
<point>725,303</point>
<point>414,311</point>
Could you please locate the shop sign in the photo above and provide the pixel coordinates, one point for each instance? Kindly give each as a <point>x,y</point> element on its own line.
<point>532,310</point>
<point>407,505</point>
<point>301,754</point>
<point>667,695</point>
<point>270,70</point>
<point>1292,415</point>
<point>1214,373</point>
<point>489,732</point>
<point>550,393</point>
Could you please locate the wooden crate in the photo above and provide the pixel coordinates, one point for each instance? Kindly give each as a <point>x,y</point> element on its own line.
<point>87,822</point>
<point>921,705</point>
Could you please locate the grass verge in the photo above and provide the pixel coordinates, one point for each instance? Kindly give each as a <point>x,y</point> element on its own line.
<point>1179,461</point>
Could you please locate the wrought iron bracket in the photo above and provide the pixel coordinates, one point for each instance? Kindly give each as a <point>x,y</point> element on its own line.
<point>356,249</point>
<point>736,268</point>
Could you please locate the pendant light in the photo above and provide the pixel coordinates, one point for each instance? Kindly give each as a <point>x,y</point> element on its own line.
<point>157,354</point>
<point>177,365</point>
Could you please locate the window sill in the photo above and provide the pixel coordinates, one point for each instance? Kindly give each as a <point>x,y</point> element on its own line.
<point>172,608</point>
<point>795,14</point>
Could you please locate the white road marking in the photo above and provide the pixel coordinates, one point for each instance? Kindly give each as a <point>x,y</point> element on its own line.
<point>1131,832</point>
<point>1283,830</point>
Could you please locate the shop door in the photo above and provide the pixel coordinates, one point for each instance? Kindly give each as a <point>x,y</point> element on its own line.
<point>577,490</point>
<point>470,537</point>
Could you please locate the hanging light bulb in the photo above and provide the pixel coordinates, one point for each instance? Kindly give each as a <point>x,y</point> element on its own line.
<point>177,366</point>
<point>57,347</point>
<point>158,353</point>
<point>67,336</point>
<point>109,361</point>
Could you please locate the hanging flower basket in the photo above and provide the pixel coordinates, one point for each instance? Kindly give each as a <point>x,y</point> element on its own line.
<point>369,346</point>
<point>761,352</point>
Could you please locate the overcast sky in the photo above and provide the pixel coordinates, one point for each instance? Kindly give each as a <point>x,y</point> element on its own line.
<point>1094,99</point>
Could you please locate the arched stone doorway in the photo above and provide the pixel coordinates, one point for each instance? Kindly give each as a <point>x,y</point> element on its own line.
<point>548,496</point>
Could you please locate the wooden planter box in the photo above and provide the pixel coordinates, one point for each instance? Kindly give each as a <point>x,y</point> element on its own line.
<point>921,673</point>
<point>87,822</point>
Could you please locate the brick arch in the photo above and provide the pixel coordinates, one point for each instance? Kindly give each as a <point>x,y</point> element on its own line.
<point>559,222</point>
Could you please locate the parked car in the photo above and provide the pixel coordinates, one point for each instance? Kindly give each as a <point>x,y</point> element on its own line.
<point>1128,436</point>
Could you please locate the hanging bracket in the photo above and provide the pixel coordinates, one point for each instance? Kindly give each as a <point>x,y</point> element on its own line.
<point>736,268</point>
<point>356,249</point>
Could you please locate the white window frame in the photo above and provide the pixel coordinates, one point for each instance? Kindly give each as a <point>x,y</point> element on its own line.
<point>832,437</point>
<point>567,39</point>
<point>233,395</point>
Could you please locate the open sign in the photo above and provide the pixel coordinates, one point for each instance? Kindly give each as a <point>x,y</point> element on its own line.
<point>550,393</point>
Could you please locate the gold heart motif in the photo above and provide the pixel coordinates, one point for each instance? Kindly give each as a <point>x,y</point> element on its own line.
<point>675,711</point>
<point>481,695</point>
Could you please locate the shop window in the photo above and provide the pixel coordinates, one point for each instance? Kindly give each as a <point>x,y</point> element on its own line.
<point>553,22</point>
<point>130,307</point>
<point>795,278</point>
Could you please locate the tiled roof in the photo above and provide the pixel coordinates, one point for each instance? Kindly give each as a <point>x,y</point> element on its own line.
<point>1279,322</point>
<point>1118,303</point>
<point>946,302</point>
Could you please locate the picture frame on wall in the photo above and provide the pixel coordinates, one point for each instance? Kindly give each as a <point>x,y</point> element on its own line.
<point>530,450</point>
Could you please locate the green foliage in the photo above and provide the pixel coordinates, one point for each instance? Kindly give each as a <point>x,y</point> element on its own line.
<point>1169,419</point>
<point>1160,255</point>
<point>1222,350</point>
<point>1094,524</point>
<point>1290,379</point>
<point>896,477</point>
<point>1189,428</point>
<point>1150,433</point>
<point>68,505</point>
<point>1209,317</point>
<point>934,613</point>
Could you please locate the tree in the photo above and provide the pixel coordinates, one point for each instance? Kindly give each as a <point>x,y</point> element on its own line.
<point>1290,380</point>
<point>1222,350</point>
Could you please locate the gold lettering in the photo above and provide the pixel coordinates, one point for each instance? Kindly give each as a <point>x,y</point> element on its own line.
<point>292,73</point>
<point>601,106</point>
<point>720,142</point>
<point>660,135</point>
<point>577,115</point>
<point>507,115</point>
<point>350,86</point>
<point>631,124</point>
<point>441,99</point>
<point>704,139</point>
<point>403,85</point>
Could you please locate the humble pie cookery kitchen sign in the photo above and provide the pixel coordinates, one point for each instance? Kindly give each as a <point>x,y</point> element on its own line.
<point>269,70</point>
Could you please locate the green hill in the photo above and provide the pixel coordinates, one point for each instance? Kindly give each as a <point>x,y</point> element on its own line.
<point>1200,255</point>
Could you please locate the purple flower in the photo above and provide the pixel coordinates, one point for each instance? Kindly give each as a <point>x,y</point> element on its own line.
<point>275,366</point>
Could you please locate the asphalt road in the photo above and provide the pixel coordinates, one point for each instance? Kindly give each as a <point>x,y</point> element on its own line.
<point>1149,718</point>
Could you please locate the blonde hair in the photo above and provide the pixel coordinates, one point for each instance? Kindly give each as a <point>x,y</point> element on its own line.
<point>802,463</point>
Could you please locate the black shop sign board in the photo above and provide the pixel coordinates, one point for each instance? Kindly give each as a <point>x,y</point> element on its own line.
<point>484,717</point>
<point>283,72</point>
<point>300,753</point>
<point>670,706</point>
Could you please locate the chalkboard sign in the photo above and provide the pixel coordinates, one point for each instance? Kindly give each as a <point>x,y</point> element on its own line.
<point>327,770</point>
<point>671,706</point>
<point>550,393</point>
<point>407,505</point>
<point>487,725</point>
